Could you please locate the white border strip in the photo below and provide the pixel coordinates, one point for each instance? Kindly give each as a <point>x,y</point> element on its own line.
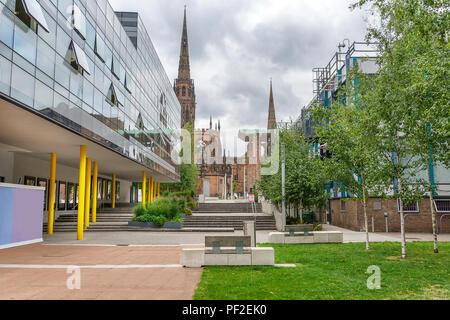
<point>19,244</point>
<point>124,266</point>
<point>20,186</point>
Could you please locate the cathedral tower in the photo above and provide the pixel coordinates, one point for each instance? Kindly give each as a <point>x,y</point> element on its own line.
<point>184,85</point>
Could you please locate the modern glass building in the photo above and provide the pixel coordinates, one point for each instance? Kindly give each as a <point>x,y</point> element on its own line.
<point>76,73</point>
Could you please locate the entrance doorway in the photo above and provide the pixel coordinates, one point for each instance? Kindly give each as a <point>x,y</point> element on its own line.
<point>206,188</point>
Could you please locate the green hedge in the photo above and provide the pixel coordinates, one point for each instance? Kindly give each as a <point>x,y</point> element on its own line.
<point>166,208</point>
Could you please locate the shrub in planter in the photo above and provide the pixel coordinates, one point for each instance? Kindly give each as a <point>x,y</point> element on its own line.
<point>187,211</point>
<point>318,227</point>
<point>159,220</point>
<point>164,207</point>
<point>139,210</point>
<point>192,205</point>
<point>143,218</point>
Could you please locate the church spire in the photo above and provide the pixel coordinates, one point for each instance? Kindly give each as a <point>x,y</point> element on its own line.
<point>184,70</point>
<point>184,85</point>
<point>272,121</point>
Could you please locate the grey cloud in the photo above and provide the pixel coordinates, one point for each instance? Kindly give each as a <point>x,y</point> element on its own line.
<point>284,47</point>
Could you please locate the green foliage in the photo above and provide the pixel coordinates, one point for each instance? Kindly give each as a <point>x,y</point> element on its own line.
<point>164,207</point>
<point>318,227</point>
<point>188,173</point>
<point>169,208</point>
<point>192,205</point>
<point>305,176</point>
<point>159,220</point>
<point>139,210</point>
<point>187,211</point>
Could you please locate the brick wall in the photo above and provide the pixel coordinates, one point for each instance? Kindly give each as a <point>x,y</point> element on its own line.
<point>353,217</point>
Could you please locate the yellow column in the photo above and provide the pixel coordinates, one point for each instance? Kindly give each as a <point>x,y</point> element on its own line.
<point>150,189</point>
<point>148,193</point>
<point>87,198</point>
<point>154,190</point>
<point>82,184</point>
<point>144,181</point>
<point>113,205</point>
<point>158,190</point>
<point>51,188</point>
<point>95,193</point>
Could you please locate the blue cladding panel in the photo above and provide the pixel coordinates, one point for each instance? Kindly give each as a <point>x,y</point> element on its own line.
<point>6,214</point>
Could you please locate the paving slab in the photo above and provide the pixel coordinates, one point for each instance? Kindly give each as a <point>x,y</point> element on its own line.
<point>106,273</point>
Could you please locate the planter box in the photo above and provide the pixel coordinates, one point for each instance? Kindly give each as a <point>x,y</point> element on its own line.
<point>167,225</point>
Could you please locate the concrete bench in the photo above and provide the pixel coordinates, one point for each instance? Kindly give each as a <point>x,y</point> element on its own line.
<point>299,228</point>
<point>228,251</point>
<point>300,238</point>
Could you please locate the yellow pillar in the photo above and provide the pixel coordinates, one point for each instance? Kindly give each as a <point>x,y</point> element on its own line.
<point>154,190</point>
<point>82,184</point>
<point>144,181</point>
<point>51,188</point>
<point>113,205</point>
<point>158,190</point>
<point>87,198</point>
<point>150,189</point>
<point>148,193</point>
<point>95,193</point>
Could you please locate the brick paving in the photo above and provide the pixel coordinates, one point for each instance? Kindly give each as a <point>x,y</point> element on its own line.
<point>159,283</point>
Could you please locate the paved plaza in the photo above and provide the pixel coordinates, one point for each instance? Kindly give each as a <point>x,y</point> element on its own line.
<point>106,273</point>
<point>121,265</point>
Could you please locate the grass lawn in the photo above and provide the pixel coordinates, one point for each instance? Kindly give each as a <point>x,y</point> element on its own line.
<point>335,272</point>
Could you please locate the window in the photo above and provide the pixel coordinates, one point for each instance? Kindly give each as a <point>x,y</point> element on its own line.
<point>78,58</point>
<point>127,82</point>
<point>25,42</point>
<point>29,181</point>
<point>112,96</point>
<point>41,182</point>
<point>184,91</point>
<point>412,207</point>
<point>115,67</point>
<point>100,47</point>
<point>442,205</point>
<point>22,86</point>
<point>343,205</point>
<point>2,179</point>
<point>62,196</point>
<point>71,196</point>
<point>7,29</point>
<point>30,12</point>
<point>79,22</point>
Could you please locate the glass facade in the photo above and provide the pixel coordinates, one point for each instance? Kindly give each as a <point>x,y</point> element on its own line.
<point>78,64</point>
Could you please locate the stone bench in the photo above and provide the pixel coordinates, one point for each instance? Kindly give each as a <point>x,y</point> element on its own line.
<point>302,238</point>
<point>228,251</point>
<point>299,228</point>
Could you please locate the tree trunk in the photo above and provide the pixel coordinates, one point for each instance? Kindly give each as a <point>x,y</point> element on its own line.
<point>402,218</point>
<point>433,213</point>
<point>366,222</point>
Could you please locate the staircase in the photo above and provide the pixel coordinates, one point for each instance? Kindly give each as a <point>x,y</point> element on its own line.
<point>228,215</point>
<point>227,208</point>
<point>209,217</point>
<point>108,219</point>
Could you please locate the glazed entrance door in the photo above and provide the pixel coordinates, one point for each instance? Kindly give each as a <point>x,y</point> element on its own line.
<point>206,187</point>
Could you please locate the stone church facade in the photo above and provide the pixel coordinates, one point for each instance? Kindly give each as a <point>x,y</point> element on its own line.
<point>220,176</point>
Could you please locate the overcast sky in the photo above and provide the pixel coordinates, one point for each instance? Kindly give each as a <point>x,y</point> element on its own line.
<point>236,46</point>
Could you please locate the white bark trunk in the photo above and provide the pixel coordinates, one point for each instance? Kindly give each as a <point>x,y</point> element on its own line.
<point>433,214</point>
<point>402,219</point>
<point>366,222</point>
